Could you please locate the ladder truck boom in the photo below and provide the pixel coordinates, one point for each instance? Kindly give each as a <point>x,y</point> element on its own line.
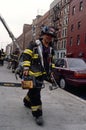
<point>10,33</point>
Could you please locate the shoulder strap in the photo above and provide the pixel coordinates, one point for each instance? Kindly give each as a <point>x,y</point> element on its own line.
<point>39,47</point>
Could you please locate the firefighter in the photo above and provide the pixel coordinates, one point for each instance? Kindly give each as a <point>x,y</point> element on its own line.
<point>2,56</point>
<point>14,59</point>
<point>37,59</point>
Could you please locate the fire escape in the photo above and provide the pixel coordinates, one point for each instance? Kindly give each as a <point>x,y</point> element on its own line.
<point>54,21</point>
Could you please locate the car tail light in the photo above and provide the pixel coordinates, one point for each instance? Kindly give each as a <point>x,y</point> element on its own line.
<point>80,75</point>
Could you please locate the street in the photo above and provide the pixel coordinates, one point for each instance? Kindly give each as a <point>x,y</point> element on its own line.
<point>61,110</point>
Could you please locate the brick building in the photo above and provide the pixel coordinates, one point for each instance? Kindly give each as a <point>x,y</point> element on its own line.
<point>20,41</point>
<point>59,17</point>
<point>27,35</point>
<point>38,22</point>
<point>76,45</point>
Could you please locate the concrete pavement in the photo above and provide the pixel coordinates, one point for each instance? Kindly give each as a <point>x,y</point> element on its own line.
<point>61,110</point>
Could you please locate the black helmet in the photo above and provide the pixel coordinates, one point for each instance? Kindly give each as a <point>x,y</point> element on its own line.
<point>48,30</point>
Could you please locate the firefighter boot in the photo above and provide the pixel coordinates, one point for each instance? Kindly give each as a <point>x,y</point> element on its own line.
<point>39,120</point>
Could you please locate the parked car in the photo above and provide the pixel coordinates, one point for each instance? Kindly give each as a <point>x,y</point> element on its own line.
<point>70,72</point>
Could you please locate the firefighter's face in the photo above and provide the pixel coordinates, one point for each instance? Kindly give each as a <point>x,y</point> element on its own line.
<point>47,38</point>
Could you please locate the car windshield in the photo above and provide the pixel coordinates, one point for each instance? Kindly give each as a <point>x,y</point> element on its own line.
<point>76,63</point>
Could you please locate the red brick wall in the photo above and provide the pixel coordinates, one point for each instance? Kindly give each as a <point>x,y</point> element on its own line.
<point>74,19</point>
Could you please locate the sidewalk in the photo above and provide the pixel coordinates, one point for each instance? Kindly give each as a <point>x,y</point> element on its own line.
<point>61,110</point>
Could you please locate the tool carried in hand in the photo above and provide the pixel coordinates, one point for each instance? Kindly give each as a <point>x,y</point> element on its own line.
<point>29,82</point>
<point>54,83</point>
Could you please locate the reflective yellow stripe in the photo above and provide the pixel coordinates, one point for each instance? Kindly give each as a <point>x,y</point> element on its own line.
<point>15,55</point>
<point>44,73</point>
<point>16,60</point>
<point>27,98</point>
<point>28,51</point>
<point>35,56</point>
<point>36,74</point>
<point>26,63</point>
<point>53,65</point>
<point>35,108</point>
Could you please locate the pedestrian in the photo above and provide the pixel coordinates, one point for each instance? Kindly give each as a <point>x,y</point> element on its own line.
<point>37,62</point>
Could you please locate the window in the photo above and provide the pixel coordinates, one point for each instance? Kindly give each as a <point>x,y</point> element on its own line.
<point>72,27</point>
<point>60,62</point>
<point>58,45</point>
<point>57,55</point>
<point>65,1</point>
<point>59,34</point>
<point>78,39</point>
<point>81,6</point>
<point>64,32</point>
<point>71,41</point>
<point>66,10</point>
<point>64,44</point>
<point>66,20</point>
<point>73,10</point>
<point>79,24</point>
<point>63,55</point>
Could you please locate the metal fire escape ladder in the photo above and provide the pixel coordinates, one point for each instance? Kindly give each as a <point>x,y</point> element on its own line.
<point>10,33</point>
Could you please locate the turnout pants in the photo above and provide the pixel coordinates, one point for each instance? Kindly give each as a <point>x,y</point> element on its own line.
<point>33,98</point>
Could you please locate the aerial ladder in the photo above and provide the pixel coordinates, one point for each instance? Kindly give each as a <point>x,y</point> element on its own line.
<point>10,33</point>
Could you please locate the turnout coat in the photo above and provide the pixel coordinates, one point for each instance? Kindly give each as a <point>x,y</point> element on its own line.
<point>36,62</point>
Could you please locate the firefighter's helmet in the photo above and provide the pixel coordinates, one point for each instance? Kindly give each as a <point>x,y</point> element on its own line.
<point>48,30</point>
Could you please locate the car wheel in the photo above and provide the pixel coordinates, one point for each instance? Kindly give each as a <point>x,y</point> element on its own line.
<point>62,83</point>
